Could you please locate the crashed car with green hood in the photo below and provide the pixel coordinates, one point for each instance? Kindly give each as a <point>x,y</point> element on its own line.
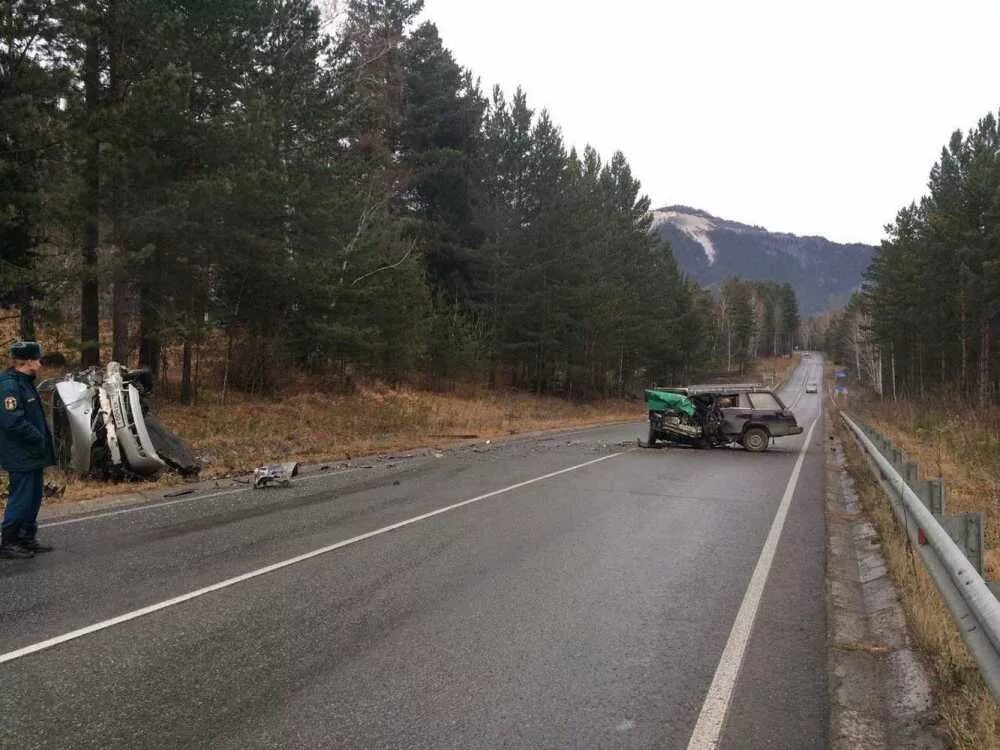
<point>715,415</point>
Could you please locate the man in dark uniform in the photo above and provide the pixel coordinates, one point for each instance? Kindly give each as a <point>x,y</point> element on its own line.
<point>25,450</point>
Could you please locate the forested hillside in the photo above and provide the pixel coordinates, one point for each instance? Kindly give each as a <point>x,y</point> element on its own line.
<point>926,324</point>
<point>711,250</point>
<point>333,193</point>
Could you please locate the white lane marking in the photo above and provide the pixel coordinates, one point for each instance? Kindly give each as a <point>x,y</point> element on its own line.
<point>137,613</point>
<point>151,506</point>
<point>711,719</point>
<point>236,490</point>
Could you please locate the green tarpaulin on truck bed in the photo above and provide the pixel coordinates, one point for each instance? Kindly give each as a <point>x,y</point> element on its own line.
<point>665,401</point>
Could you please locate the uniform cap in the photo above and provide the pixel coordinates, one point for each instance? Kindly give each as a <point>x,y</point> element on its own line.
<point>26,350</point>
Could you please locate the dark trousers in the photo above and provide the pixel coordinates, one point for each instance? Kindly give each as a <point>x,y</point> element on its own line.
<point>20,517</point>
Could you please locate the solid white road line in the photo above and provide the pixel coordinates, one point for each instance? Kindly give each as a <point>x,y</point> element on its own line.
<point>708,729</point>
<point>151,506</point>
<point>235,490</point>
<point>137,613</point>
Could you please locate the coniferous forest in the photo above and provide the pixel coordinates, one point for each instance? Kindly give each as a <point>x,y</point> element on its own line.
<point>926,323</point>
<point>324,187</point>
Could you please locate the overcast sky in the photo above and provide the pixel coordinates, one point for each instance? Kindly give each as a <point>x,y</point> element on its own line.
<point>805,117</point>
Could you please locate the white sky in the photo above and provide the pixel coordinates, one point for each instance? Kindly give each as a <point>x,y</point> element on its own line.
<point>804,117</point>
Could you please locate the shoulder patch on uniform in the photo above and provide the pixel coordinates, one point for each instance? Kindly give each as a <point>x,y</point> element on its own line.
<point>10,403</point>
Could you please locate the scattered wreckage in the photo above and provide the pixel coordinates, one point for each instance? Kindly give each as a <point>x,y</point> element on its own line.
<point>275,475</point>
<point>716,415</point>
<point>103,429</point>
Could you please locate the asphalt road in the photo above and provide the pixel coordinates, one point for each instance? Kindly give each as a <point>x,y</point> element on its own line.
<point>590,594</point>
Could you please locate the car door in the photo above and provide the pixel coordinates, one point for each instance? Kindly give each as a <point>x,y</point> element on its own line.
<point>770,412</point>
<point>735,413</point>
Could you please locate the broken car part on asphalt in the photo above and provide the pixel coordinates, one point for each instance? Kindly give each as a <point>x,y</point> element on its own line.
<point>275,474</point>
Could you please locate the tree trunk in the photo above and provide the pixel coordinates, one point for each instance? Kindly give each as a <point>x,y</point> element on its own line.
<point>119,321</point>
<point>197,375</point>
<point>26,324</point>
<point>196,313</point>
<point>225,370</point>
<point>892,354</point>
<point>729,349</point>
<point>985,345</point>
<point>187,384</point>
<point>149,334</point>
<point>90,331</point>
<point>164,373</point>
<point>881,382</point>
<point>119,190</point>
<point>965,346</point>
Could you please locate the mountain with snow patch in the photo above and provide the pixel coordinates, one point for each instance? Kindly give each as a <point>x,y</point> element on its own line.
<point>711,250</point>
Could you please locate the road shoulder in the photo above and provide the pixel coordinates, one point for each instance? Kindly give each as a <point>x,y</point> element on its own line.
<point>207,488</point>
<point>880,695</point>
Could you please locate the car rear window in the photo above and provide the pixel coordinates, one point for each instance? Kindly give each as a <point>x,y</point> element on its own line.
<point>764,401</point>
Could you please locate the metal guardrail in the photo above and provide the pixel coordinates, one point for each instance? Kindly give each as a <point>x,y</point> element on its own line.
<point>973,605</point>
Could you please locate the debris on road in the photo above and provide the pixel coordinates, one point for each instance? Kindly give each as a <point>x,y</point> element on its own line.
<point>53,490</point>
<point>275,474</point>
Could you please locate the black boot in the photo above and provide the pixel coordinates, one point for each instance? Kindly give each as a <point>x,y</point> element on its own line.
<point>12,549</point>
<point>36,547</point>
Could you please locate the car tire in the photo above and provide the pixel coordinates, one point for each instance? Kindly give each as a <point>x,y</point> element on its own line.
<point>756,439</point>
<point>651,440</point>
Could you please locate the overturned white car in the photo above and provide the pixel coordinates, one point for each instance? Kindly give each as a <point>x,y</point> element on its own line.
<point>102,428</point>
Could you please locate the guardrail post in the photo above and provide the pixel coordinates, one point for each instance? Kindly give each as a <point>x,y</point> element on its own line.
<point>935,496</point>
<point>951,549</point>
<point>966,530</point>
<point>924,493</point>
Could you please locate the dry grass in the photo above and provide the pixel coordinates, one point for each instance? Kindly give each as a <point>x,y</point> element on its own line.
<point>960,445</point>
<point>773,371</point>
<point>969,716</point>
<point>317,427</point>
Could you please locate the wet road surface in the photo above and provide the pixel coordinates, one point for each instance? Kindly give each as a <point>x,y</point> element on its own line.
<point>569,590</point>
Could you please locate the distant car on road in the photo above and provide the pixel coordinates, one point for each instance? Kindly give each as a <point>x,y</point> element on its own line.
<point>706,416</point>
<point>812,388</point>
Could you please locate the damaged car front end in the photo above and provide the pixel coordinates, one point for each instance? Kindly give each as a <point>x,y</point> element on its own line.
<point>102,427</point>
<point>708,416</point>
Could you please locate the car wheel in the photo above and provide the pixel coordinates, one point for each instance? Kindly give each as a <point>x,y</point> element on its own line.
<point>756,439</point>
<point>651,441</point>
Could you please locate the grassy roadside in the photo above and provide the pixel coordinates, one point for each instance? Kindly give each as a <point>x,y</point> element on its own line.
<point>774,371</point>
<point>959,444</point>
<point>316,427</point>
<point>969,716</point>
